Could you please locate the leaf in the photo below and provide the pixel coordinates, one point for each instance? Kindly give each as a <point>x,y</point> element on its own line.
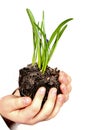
<point>56,42</point>
<point>58,29</point>
<point>35,36</point>
<point>43,48</point>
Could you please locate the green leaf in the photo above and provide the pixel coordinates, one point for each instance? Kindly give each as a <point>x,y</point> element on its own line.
<point>43,48</point>
<point>42,23</point>
<point>58,29</point>
<point>35,38</point>
<point>56,42</point>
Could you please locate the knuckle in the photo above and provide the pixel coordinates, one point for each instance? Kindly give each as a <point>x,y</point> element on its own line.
<point>69,88</point>
<point>26,121</point>
<point>69,79</point>
<point>32,122</point>
<point>52,116</point>
<point>46,114</point>
<point>66,97</point>
<point>29,122</point>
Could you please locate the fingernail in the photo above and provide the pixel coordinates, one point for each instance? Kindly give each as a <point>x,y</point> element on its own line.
<point>42,90</point>
<point>26,100</point>
<point>54,91</point>
<point>60,98</point>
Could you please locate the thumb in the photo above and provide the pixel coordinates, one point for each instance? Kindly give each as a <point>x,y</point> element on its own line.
<point>12,102</point>
<point>20,102</point>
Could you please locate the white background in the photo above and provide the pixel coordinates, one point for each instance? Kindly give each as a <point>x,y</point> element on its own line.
<point>16,52</point>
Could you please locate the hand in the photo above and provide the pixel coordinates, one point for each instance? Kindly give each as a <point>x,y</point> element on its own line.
<point>23,110</point>
<point>65,86</point>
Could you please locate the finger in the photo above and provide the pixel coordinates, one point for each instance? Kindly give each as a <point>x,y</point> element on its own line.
<point>16,103</point>
<point>59,103</point>
<point>69,87</point>
<point>66,97</point>
<point>16,93</point>
<point>48,106</point>
<point>37,101</point>
<point>12,103</point>
<point>64,78</point>
<point>66,89</point>
<point>35,107</point>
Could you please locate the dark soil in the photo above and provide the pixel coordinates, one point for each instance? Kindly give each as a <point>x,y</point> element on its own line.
<point>31,78</point>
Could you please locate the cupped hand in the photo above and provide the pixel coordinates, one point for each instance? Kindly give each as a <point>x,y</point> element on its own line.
<point>24,110</point>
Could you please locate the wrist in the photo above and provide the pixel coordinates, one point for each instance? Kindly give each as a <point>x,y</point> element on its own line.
<point>8,122</point>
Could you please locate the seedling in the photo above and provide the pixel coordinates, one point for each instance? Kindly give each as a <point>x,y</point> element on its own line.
<point>43,47</point>
<point>38,73</point>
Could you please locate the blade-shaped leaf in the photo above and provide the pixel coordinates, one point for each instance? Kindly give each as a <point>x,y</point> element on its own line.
<point>35,35</point>
<point>56,42</point>
<point>43,48</point>
<point>58,29</point>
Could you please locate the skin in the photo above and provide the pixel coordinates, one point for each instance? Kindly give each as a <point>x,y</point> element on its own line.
<point>24,110</point>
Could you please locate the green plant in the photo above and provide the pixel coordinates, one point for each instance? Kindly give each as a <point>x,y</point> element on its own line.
<point>44,48</point>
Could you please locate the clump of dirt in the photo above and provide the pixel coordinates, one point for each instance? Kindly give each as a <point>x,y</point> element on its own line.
<point>31,78</point>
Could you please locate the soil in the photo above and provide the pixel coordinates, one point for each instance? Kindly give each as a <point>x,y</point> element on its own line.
<point>31,78</point>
